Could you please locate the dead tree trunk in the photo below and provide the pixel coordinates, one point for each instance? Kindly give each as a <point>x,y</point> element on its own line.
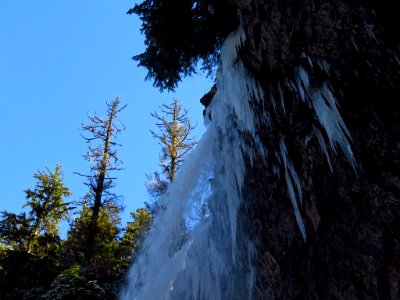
<point>103,159</point>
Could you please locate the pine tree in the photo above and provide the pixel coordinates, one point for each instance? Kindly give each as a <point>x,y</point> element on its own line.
<point>30,242</point>
<point>101,134</point>
<point>104,259</point>
<point>15,231</point>
<point>134,235</point>
<point>31,232</point>
<point>174,46</point>
<point>46,201</point>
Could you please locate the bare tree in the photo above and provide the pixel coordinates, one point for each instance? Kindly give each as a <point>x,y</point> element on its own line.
<point>100,135</point>
<point>174,136</point>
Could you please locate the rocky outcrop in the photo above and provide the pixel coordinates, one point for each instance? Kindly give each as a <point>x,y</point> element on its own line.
<point>351,213</point>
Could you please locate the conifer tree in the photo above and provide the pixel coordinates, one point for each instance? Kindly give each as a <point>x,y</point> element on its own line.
<point>15,231</point>
<point>46,202</point>
<point>174,136</point>
<point>104,260</point>
<point>134,235</point>
<point>26,232</point>
<point>29,242</point>
<point>100,134</point>
<point>175,46</point>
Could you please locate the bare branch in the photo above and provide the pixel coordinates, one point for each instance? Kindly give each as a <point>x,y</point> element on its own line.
<point>174,137</point>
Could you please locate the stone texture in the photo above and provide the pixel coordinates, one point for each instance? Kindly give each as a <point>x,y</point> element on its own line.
<point>352,219</point>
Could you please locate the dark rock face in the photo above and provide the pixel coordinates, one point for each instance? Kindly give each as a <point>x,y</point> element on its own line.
<point>351,217</point>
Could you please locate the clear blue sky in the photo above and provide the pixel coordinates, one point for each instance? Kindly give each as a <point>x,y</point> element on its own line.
<point>59,61</point>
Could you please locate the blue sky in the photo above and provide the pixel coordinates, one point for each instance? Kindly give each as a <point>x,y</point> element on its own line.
<point>59,61</point>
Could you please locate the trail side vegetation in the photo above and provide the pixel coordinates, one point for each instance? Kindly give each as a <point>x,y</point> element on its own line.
<point>92,260</point>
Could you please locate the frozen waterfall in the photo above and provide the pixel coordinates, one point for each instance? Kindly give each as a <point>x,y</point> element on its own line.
<point>194,250</point>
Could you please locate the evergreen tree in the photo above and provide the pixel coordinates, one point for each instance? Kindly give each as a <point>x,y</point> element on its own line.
<point>104,262</point>
<point>15,231</point>
<point>92,247</point>
<point>134,235</point>
<point>174,46</point>
<point>46,203</point>
<point>100,135</point>
<point>32,232</point>
<point>30,242</point>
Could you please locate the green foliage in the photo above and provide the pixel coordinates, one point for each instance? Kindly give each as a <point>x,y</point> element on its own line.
<point>179,34</point>
<point>36,264</point>
<point>25,276</point>
<point>134,235</point>
<point>104,261</point>
<point>47,209</point>
<point>76,243</point>
<point>111,258</point>
<point>46,203</point>
<point>37,231</point>
<point>30,243</point>
<point>72,284</point>
<point>15,231</point>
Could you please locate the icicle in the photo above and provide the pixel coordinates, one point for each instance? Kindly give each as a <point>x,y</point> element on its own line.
<point>330,119</point>
<point>292,177</point>
<point>369,29</point>
<point>303,83</point>
<point>281,97</point>
<point>321,142</point>
<point>323,65</point>
<point>324,104</point>
<point>192,251</point>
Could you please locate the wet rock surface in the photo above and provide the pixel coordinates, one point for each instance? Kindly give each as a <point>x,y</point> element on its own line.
<point>351,217</point>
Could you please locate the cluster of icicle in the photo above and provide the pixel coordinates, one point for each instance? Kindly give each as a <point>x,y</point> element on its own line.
<point>194,250</point>
<point>322,101</point>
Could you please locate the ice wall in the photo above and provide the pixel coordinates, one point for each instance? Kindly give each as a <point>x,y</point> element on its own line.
<point>193,251</point>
